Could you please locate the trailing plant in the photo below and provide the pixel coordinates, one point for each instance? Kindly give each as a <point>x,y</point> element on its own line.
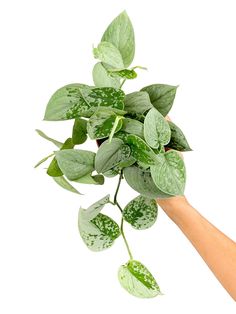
<point>135,142</point>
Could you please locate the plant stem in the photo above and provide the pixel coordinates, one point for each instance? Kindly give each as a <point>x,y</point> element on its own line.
<point>122,83</point>
<point>124,238</point>
<point>115,202</point>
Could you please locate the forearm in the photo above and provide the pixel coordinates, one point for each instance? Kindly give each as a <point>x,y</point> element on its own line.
<point>217,250</point>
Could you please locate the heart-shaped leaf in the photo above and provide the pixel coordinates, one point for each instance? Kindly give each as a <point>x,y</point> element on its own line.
<point>101,78</point>
<point>178,140</point>
<point>78,100</point>
<point>62,182</point>
<point>137,280</point>
<point>109,54</point>
<point>98,231</point>
<point>101,123</point>
<point>141,181</point>
<point>140,150</point>
<point>161,96</point>
<point>111,154</point>
<point>156,129</point>
<point>53,169</point>
<point>121,34</point>
<point>75,163</point>
<point>137,102</point>
<point>141,212</point>
<point>79,133</point>
<point>91,179</point>
<point>169,173</point>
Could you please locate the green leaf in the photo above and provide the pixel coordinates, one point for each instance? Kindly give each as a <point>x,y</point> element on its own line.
<point>162,96</point>
<point>128,74</point>
<point>141,212</point>
<point>137,102</point>
<point>43,160</point>
<point>89,179</point>
<point>111,154</point>
<point>141,181</point>
<point>53,169</point>
<point>78,100</point>
<point>178,140</point>
<point>121,34</point>
<point>133,126</point>
<point>43,135</point>
<point>79,133</point>
<point>169,173</point>
<point>101,78</point>
<point>75,163</point>
<point>112,172</point>
<point>137,280</point>
<point>140,150</point>
<point>156,129</point>
<point>101,123</point>
<point>109,54</point>
<point>65,184</point>
<point>98,231</point>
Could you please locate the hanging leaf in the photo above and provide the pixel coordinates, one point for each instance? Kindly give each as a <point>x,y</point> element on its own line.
<point>111,154</point>
<point>43,160</point>
<point>169,173</point>
<point>98,231</point>
<point>43,135</point>
<point>78,100</point>
<point>75,163</point>
<point>156,129</point>
<point>53,169</point>
<point>137,102</point>
<point>141,181</point>
<point>141,212</point>
<point>79,133</point>
<point>161,96</point>
<point>178,140</point>
<point>65,184</point>
<point>101,78</point>
<point>121,34</point>
<point>137,280</point>
<point>133,126</point>
<point>109,54</point>
<point>101,123</point>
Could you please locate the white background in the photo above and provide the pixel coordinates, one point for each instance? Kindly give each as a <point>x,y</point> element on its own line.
<point>44,265</point>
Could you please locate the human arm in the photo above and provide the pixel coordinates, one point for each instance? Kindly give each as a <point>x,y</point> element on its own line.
<point>216,249</point>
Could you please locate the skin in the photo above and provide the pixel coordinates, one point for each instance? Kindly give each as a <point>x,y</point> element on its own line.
<point>216,249</point>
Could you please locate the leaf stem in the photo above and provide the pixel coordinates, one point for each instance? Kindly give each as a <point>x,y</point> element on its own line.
<point>115,202</point>
<point>122,83</point>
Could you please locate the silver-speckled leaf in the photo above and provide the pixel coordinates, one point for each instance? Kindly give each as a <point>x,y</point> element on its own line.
<point>79,100</point>
<point>75,163</point>
<point>156,129</point>
<point>141,212</point>
<point>178,140</point>
<point>111,154</point>
<point>121,34</point>
<point>140,150</point>
<point>109,54</point>
<point>137,102</point>
<point>101,78</point>
<point>125,73</point>
<point>98,231</point>
<point>141,181</point>
<point>162,96</point>
<point>135,278</point>
<point>169,173</point>
<point>101,123</point>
